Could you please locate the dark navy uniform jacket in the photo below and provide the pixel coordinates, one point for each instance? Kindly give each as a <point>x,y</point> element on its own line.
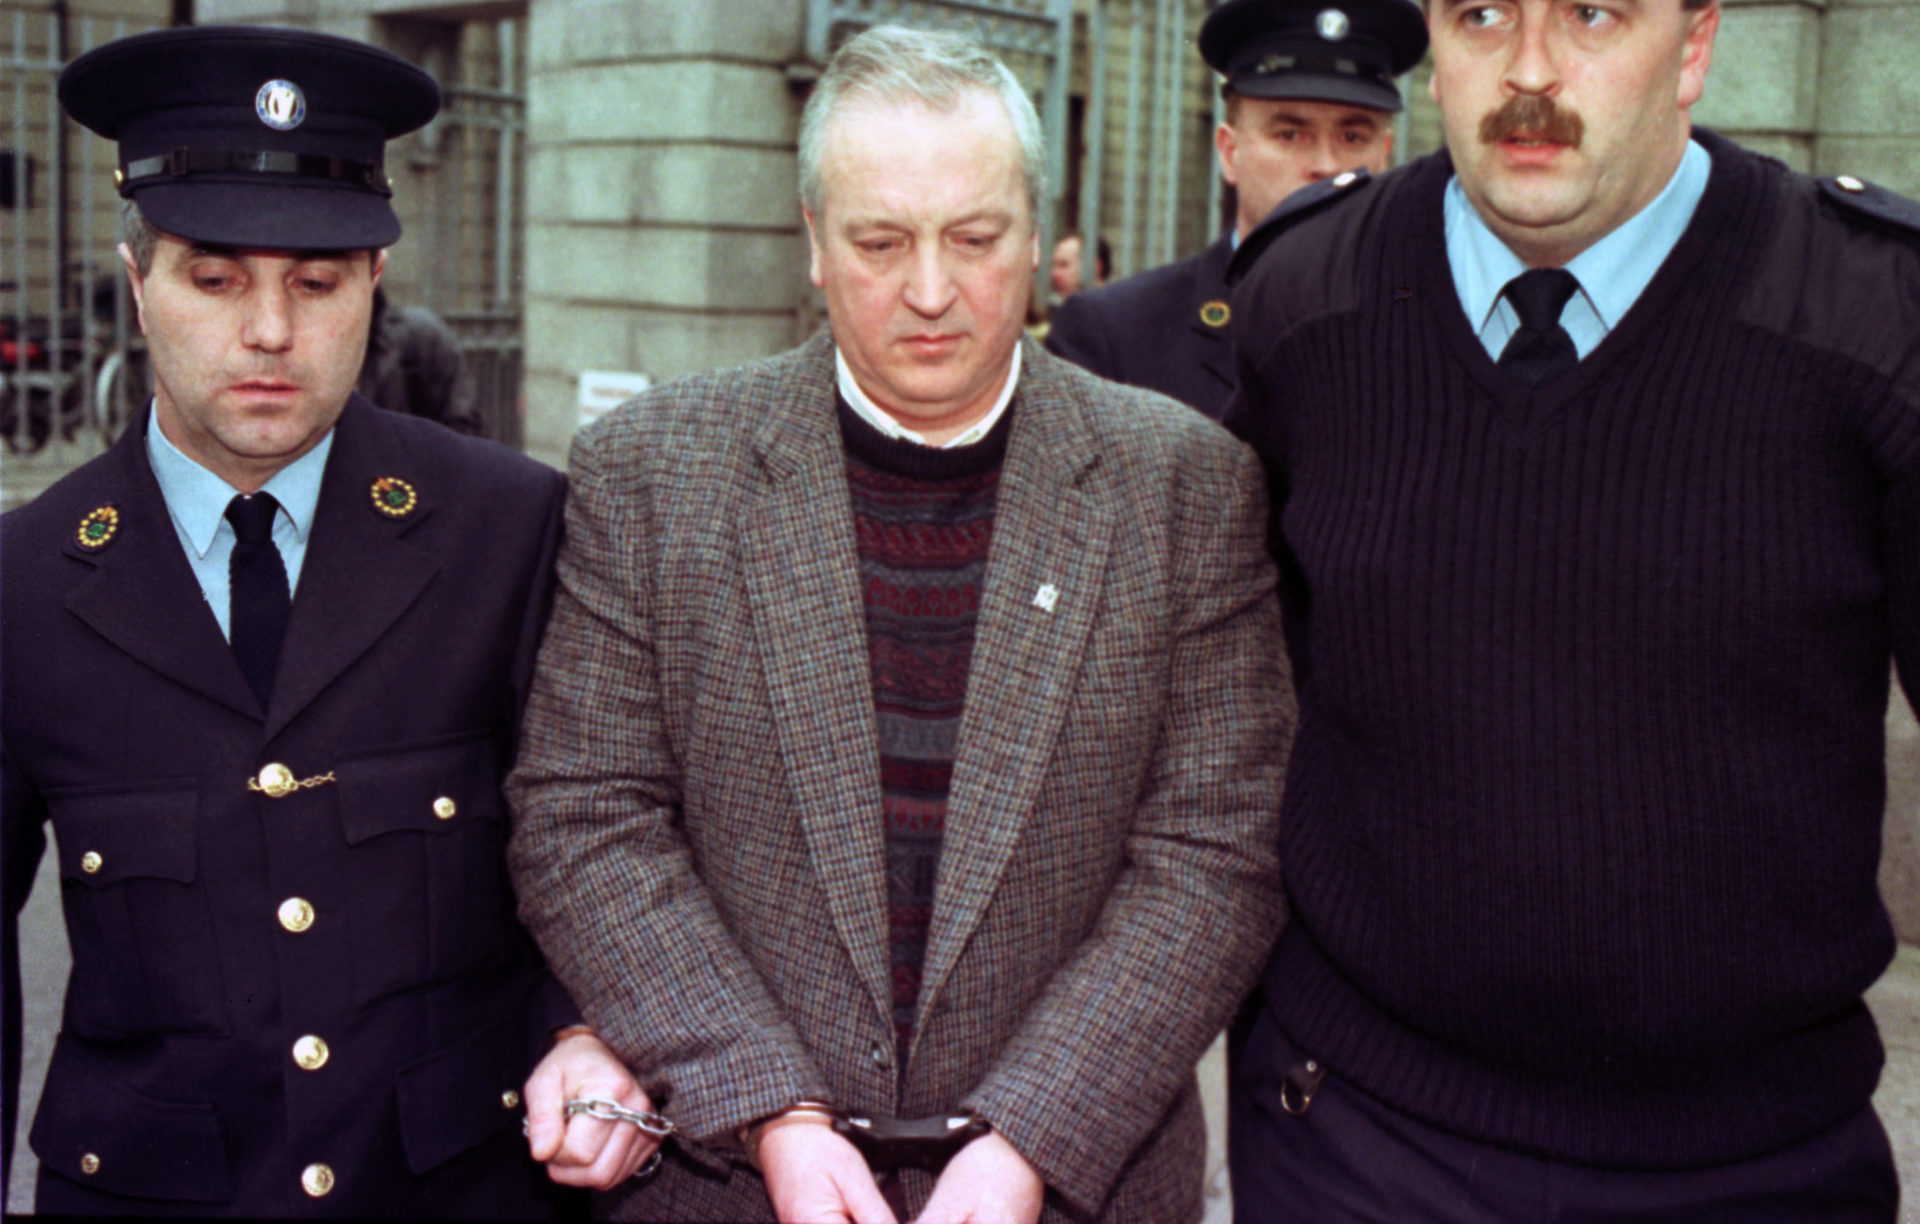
<point>265,985</point>
<point>1166,330</point>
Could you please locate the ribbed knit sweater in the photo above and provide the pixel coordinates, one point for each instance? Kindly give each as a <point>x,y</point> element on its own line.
<point>923,519</point>
<point>1583,818</point>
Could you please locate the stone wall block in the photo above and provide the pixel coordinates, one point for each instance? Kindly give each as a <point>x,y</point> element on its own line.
<point>714,185</point>
<point>694,100</point>
<point>1766,71</point>
<point>1868,82</point>
<point>686,269</point>
<point>599,31</point>
<point>1900,862</point>
<point>550,398</point>
<point>578,336</point>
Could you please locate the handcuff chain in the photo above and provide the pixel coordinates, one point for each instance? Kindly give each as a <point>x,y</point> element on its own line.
<point>612,1111</point>
<point>275,792</point>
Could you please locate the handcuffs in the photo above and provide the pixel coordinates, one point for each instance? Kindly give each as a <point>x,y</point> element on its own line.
<point>893,1144</point>
<point>601,1108</point>
<point>888,1145</point>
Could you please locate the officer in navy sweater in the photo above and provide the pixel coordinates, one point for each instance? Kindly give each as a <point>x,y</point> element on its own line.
<point>264,664</point>
<point>1595,459</point>
<point>1309,91</point>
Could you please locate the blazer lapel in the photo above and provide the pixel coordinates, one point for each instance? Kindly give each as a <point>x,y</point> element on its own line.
<point>142,595</point>
<point>363,568</point>
<point>803,586</point>
<point>1211,296</point>
<point>1044,574</point>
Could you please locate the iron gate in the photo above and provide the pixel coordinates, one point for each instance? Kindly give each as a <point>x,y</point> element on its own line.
<point>72,362</point>
<point>70,355</point>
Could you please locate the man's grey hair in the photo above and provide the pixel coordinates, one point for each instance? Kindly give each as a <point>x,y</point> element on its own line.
<point>934,68</point>
<point>139,235</point>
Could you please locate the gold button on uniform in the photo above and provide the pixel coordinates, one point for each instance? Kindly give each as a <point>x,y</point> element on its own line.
<point>91,862</point>
<point>89,1164</point>
<point>276,779</point>
<point>296,914</point>
<point>509,1099</point>
<point>317,1180</point>
<point>444,808</point>
<point>310,1053</point>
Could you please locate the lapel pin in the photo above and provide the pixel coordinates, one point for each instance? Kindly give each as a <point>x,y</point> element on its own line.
<point>1046,597</point>
<point>98,528</point>
<point>1215,313</point>
<point>394,497</point>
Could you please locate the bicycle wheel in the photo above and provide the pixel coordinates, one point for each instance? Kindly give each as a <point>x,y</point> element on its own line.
<point>115,398</point>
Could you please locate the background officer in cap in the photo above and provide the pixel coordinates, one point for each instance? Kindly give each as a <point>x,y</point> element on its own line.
<point>1309,93</point>
<point>264,662</point>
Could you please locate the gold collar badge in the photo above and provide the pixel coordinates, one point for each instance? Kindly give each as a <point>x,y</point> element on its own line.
<point>1215,313</point>
<point>394,497</point>
<point>98,529</point>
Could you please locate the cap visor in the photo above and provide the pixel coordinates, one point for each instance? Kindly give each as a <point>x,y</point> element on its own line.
<point>270,216</point>
<point>1319,87</point>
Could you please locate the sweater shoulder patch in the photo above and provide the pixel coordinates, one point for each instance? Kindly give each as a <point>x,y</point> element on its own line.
<point>1304,203</point>
<point>1871,206</point>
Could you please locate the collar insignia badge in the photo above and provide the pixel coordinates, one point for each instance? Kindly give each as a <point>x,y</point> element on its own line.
<point>1215,313</point>
<point>394,497</point>
<point>98,529</point>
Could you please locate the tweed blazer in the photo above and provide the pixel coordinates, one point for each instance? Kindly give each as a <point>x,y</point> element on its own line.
<point>1165,329</point>
<point>698,842</point>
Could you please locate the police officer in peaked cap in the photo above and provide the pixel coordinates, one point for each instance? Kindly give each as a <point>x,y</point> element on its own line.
<point>1310,92</point>
<point>263,669</point>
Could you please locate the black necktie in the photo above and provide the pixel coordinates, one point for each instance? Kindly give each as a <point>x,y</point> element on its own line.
<point>1541,349</point>
<point>257,591</point>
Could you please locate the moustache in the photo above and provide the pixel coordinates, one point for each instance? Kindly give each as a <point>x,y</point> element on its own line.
<point>1532,115</point>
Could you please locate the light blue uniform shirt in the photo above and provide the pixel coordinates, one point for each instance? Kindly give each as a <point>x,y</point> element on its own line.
<point>1613,272</point>
<point>197,501</point>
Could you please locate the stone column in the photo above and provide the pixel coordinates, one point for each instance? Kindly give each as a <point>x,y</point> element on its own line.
<point>663,233</point>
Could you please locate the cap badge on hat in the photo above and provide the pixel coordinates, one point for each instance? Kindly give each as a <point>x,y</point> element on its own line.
<point>281,105</point>
<point>1332,24</point>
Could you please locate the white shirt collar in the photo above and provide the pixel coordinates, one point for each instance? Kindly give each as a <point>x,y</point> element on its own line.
<point>874,415</point>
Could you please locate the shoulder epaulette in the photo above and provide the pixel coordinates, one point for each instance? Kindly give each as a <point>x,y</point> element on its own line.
<point>1288,213</point>
<point>1875,207</point>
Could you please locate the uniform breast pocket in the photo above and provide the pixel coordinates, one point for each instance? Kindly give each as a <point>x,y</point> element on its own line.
<point>145,959</point>
<point>427,875</point>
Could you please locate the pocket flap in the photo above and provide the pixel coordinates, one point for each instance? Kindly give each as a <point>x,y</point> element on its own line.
<point>93,1130</point>
<point>120,835</point>
<point>425,789</point>
<point>455,1097</point>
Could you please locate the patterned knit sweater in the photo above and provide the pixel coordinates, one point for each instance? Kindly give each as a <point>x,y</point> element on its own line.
<point>923,518</point>
<point>1583,818</point>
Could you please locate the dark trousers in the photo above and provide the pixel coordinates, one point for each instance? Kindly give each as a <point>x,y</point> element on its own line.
<point>1349,1159</point>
